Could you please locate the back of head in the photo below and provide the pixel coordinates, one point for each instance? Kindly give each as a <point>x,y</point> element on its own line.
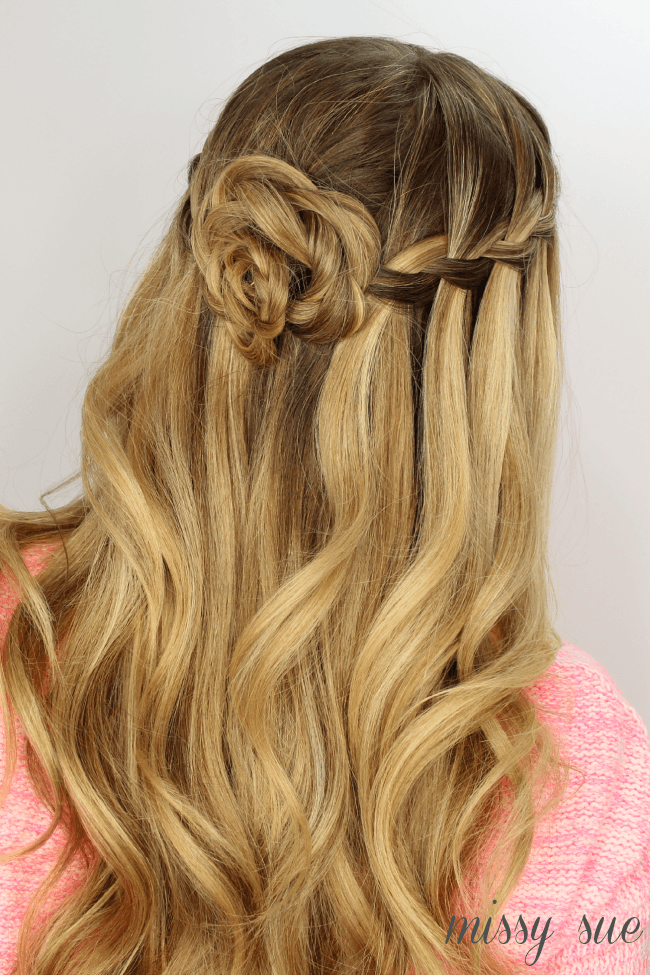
<point>305,585</point>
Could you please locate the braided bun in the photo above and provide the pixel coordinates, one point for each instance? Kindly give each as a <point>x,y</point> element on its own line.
<point>274,249</point>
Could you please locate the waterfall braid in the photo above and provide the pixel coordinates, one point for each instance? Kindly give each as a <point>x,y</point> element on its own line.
<point>274,678</point>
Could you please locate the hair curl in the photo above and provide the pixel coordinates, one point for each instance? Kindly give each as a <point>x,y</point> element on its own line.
<point>274,678</point>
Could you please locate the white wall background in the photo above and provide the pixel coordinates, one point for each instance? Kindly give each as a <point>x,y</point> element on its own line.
<point>105,102</point>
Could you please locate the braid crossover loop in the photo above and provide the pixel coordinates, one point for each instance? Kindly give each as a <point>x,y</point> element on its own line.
<point>275,250</point>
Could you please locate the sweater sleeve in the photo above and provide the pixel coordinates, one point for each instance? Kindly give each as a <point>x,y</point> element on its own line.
<point>590,859</point>
<point>23,816</point>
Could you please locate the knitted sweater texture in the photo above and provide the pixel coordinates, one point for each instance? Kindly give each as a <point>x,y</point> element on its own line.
<point>590,860</point>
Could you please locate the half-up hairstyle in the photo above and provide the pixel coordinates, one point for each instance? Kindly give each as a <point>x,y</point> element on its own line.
<point>274,678</point>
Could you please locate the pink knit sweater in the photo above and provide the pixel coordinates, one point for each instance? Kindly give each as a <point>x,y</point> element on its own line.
<point>589,861</point>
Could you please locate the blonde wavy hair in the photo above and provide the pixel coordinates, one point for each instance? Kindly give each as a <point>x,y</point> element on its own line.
<point>274,678</point>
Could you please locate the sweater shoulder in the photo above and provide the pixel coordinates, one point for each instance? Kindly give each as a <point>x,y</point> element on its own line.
<point>582,703</point>
<point>591,857</point>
